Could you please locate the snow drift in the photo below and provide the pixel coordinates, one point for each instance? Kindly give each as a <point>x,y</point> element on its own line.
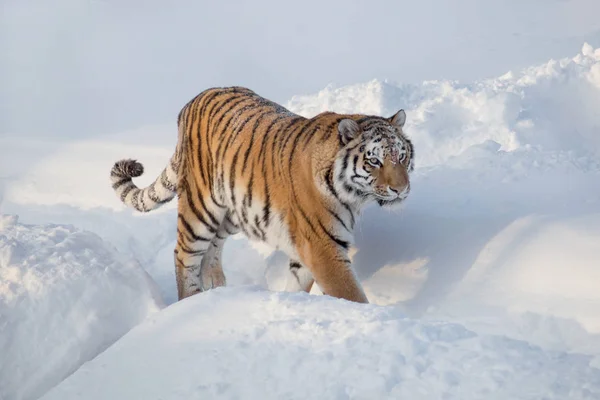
<point>65,296</point>
<point>551,108</point>
<point>244,343</point>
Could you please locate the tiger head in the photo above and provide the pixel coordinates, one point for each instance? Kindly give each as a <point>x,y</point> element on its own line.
<point>375,161</point>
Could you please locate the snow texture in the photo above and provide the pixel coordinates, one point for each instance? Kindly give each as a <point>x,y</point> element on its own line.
<point>65,296</point>
<point>247,343</point>
<point>486,284</point>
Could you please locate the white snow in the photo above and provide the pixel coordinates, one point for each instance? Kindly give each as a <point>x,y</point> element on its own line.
<point>247,343</point>
<point>486,284</point>
<point>65,296</point>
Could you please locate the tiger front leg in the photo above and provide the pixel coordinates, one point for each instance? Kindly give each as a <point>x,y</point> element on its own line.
<point>211,270</point>
<point>330,267</point>
<point>299,278</point>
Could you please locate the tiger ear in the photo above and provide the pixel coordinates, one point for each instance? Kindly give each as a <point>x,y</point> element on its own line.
<point>348,130</point>
<point>398,119</point>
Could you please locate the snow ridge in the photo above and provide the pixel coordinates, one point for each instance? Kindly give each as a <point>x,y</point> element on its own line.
<point>65,296</point>
<point>551,108</point>
<point>233,343</point>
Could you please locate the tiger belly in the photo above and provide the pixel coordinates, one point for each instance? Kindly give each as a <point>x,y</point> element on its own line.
<point>251,221</point>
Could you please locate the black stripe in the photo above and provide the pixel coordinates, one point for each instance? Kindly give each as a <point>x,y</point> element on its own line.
<point>250,188</point>
<point>340,220</point>
<point>295,144</point>
<point>208,170</point>
<point>236,155</point>
<point>266,136</point>
<point>354,178</point>
<point>354,163</point>
<point>329,180</point>
<point>126,191</point>
<point>197,213</point>
<point>154,196</point>
<point>232,176</point>
<point>190,230</point>
<point>187,250</point>
<point>186,236</point>
<point>331,187</point>
<point>339,241</point>
<point>164,180</point>
<point>152,193</point>
<point>295,265</point>
<point>244,214</point>
<point>252,134</point>
<point>189,123</point>
<point>267,206</point>
<point>275,151</point>
<point>223,145</point>
<point>294,133</point>
<point>207,211</point>
<point>233,114</point>
<point>291,177</point>
<point>306,217</point>
<point>141,200</point>
<point>212,129</point>
<point>134,200</point>
<point>263,234</point>
<point>120,183</point>
<point>345,163</point>
<point>228,231</point>
<point>218,106</point>
<point>327,131</point>
<point>174,163</point>
<point>203,167</point>
<point>181,263</point>
<point>218,236</point>
<point>342,260</point>
<point>255,232</point>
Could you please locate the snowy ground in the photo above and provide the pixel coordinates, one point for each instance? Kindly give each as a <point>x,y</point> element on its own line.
<point>65,296</point>
<point>486,284</point>
<point>251,344</point>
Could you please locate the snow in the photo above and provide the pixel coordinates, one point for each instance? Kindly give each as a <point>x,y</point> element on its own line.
<point>485,285</point>
<point>65,296</point>
<point>248,343</point>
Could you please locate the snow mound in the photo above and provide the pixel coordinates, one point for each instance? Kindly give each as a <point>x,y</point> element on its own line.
<point>245,343</point>
<point>65,296</point>
<point>550,107</point>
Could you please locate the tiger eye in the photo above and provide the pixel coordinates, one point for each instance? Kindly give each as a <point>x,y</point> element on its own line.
<point>362,148</point>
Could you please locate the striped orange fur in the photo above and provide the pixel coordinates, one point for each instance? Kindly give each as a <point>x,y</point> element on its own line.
<point>244,163</point>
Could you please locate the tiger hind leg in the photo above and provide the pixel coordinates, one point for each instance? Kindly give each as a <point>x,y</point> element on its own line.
<point>211,269</point>
<point>299,278</point>
<point>197,246</point>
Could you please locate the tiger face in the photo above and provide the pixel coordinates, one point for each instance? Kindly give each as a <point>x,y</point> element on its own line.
<point>376,160</point>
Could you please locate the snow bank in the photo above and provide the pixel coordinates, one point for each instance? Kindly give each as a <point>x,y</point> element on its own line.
<point>243,343</point>
<point>551,107</point>
<point>65,296</point>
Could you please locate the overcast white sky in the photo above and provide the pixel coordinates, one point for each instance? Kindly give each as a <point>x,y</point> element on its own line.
<point>88,67</point>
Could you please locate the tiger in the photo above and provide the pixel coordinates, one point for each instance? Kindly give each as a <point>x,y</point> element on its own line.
<point>243,163</point>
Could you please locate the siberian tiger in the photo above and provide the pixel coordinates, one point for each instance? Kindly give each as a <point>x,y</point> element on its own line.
<point>245,163</point>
